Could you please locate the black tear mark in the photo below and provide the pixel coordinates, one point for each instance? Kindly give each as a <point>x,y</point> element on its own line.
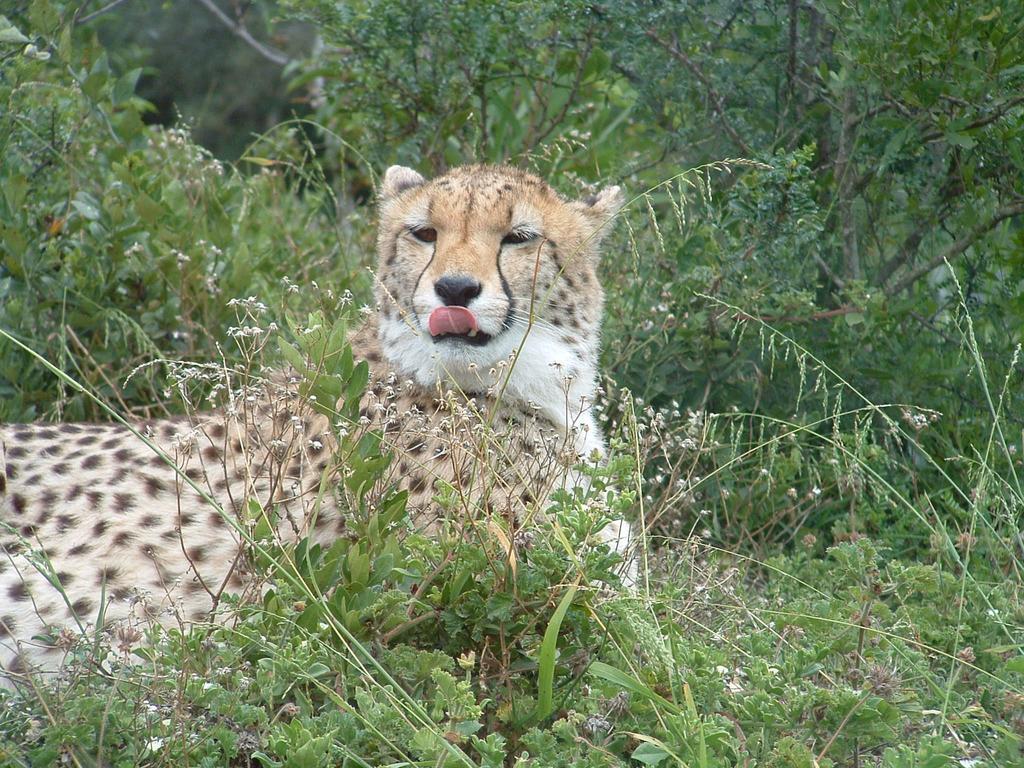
<point>508,293</point>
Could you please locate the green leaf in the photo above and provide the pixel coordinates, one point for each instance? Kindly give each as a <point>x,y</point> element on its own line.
<point>629,683</point>
<point>43,17</point>
<point>649,754</point>
<point>546,674</point>
<point>597,64</point>
<point>87,208</point>
<point>10,34</point>
<point>291,355</point>
<point>15,189</point>
<point>427,741</point>
<point>383,565</point>
<point>124,88</point>
<point>148,209</point>
<point>893,146</point>
<point>92,86</point>
<point>263,162</point>
<point>174,197</point>
<point>1016,665</point>
<point>358,568</point>
<point>961,140</point>
<point>266,760</point>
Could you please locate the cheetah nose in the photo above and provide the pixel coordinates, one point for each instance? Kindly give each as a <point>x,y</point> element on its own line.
<point>457,290</point>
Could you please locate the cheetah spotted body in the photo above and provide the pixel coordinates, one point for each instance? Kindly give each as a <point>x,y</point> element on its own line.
<point>483,365</point>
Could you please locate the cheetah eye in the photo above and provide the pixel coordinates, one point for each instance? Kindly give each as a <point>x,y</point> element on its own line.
<point>516,238</point>
<point>425,234</point>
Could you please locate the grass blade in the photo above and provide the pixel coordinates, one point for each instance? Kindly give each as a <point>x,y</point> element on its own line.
<point>546,676</point>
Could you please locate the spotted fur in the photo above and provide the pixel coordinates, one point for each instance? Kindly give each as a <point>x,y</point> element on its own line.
<point>148,519</point>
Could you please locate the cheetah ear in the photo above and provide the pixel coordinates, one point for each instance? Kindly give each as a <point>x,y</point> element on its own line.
<point>397,179</point>
<point>600,209</point>
<point>606,203</point>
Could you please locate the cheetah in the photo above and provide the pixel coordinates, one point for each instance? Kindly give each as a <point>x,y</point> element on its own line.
<point>483,370</point>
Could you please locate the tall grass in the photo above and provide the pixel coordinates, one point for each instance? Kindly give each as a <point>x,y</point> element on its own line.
<point>771,627</point>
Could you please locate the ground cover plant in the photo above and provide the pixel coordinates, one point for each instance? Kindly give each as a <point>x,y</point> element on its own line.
<point>813,388</point>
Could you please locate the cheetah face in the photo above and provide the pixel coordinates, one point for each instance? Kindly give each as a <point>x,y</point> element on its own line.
<point>484,262</point>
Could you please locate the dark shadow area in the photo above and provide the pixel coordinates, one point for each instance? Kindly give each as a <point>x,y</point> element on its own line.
<point>196,70</point>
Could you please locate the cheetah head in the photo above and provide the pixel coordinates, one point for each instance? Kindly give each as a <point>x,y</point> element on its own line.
<point>487,264</point>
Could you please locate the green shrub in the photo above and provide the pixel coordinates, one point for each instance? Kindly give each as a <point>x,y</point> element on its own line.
<point>820,433</point>
<point>121,245</point>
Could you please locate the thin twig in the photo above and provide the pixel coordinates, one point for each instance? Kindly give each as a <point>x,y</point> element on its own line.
<point>946,191</point>
<point>269,53</point>
<point>99,12</point>
<point>814,317</point>
<point>791,53</point>
<point>717,101</point>
<point>839,729</point>
<point>571,99</point>
<point>979,122</point>
<point>957,248</point>
<point>826,270</point>
<point>391,634</point>
<point>844,173</point>
<point>99,369</point>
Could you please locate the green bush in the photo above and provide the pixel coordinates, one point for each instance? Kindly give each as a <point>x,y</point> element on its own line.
<point>121,245</point>
<point>871,150</point>
<point>817,422</point>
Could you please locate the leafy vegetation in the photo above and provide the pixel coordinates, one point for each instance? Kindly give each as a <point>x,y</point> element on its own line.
<point>813,361</point>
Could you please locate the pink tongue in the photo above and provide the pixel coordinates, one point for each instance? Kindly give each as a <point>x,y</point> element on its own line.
<point>451,320</point>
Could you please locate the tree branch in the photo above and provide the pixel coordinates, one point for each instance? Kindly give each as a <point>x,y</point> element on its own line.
<point>717,101</point>
<point>791,53</point>
<point>577,80</point>
<point>845,179</point>
<point>99,12</point>
<point>947,190</point>
<point>979,122</point>
<point>956,248</point>
<point>906,251</point>
<point>826,270</point>
<point>814,317</point>
<point>269,53</point>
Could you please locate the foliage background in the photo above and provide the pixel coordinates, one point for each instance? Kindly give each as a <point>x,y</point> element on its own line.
<point>815,302</point>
